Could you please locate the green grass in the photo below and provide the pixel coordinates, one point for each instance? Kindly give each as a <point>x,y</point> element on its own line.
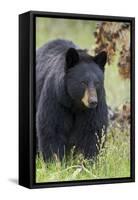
<point>78,31</point>
<point>117,90</point>
<point>113,161</point>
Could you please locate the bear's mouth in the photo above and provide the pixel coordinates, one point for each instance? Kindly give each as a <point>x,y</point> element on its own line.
<point>93,105</point>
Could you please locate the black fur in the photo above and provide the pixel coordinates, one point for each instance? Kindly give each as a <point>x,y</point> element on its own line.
<point>62,120</point>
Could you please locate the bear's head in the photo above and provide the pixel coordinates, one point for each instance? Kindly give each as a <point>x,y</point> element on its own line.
<point>85,77</point>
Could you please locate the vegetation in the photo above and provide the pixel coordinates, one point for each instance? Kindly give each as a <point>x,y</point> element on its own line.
<point>113,161</point>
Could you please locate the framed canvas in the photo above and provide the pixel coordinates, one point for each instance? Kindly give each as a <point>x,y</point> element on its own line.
<point>76,99</point>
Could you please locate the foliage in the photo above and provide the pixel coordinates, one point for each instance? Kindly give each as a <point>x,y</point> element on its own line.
<point>114,37</point>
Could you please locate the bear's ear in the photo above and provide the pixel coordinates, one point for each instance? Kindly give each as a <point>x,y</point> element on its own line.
<point>101,59</point>
<point>72,58</point>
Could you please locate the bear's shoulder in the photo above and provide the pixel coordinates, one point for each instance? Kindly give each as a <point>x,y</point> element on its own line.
<point>55,46</point>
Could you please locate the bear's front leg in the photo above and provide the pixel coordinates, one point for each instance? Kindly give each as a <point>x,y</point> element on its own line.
<point>50,131</point>
<point>51,142</point>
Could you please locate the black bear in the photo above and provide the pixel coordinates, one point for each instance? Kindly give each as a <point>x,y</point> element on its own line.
<point>71,107</point>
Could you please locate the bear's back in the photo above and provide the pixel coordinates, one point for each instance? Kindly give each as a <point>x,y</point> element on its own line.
<point>50,60</point>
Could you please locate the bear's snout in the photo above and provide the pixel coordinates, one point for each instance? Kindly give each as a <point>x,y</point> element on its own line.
<point>90,99</point>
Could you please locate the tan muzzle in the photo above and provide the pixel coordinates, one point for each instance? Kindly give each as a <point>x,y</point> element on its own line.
<point>90,98</point>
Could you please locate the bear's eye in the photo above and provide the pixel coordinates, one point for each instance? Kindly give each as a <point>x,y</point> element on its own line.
<point>83,83</point>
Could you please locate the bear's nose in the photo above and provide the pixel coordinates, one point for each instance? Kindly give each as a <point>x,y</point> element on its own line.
<point>92,102</point>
